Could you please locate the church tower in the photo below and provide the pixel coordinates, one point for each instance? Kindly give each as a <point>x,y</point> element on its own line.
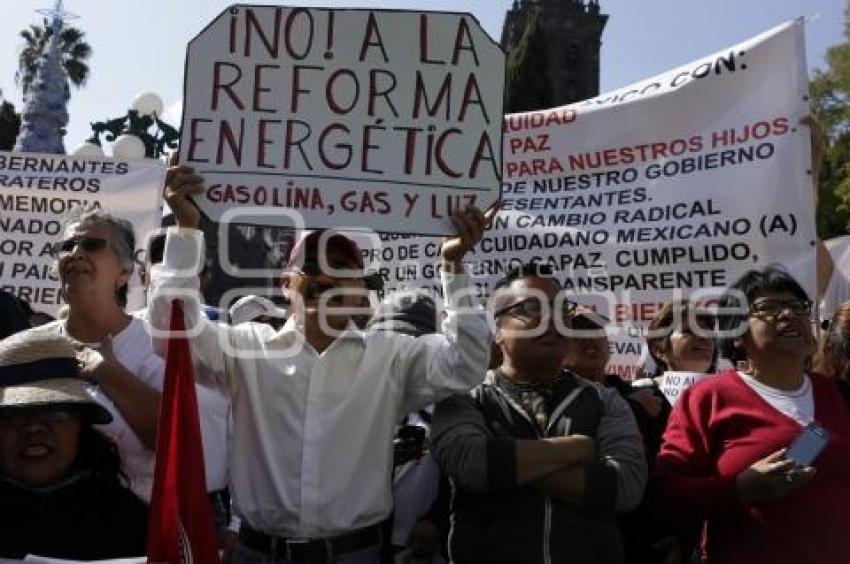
<point>573,33</point>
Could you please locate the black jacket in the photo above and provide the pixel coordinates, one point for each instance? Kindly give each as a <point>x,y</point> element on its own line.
<point>85,518</point>
<point>496,521</point>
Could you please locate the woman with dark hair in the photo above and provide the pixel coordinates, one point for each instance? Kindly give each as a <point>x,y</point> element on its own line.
<point>680,341</point>
<point>61,488</point>
<point>680,338</point>
<point>723,460</point>
<point>94,260</point>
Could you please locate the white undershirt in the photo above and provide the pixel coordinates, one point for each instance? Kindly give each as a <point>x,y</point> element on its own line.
<point>797,404</point>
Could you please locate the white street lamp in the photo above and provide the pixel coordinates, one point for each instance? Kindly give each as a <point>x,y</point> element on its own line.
<point>88,149</point>
<point>148,104</point>
<point>128,146</point>
<point>132,133</point>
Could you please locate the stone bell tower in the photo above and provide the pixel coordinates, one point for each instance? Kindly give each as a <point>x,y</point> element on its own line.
<point>573,33</point>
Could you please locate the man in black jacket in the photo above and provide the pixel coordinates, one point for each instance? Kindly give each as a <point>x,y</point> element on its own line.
<point>539,458</point>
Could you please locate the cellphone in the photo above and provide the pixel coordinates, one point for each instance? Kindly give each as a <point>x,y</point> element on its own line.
<point>411,433</point>
<point>808,445</point>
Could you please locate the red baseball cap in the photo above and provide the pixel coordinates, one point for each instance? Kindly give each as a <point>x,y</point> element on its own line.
<point>307,249</point>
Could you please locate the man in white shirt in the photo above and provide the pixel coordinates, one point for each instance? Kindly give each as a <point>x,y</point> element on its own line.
<point>315,404</point>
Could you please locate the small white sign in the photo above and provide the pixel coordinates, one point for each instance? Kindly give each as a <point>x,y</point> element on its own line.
<point>674,383</point>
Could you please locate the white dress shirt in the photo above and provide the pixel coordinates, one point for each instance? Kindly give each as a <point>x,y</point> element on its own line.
<point>132,348</point>
<point>312,449</point>
<point>213,415</point>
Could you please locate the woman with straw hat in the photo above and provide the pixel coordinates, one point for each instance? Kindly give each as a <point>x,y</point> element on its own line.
<point>61,488</point>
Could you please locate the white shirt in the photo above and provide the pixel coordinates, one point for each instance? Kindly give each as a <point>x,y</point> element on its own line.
<point>132,348</point>
<point>214,417</point>
<point>797,404</point>
<point>312,448</point>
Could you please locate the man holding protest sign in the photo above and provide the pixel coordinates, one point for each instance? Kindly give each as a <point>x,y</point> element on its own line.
<point>315,405</point>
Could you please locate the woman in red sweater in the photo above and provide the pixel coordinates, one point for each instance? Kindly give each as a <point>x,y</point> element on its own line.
<point>722,461</point>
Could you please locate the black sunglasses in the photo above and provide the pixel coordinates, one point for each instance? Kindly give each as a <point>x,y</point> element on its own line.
<point>373,280</point>
<point>88,244</point>
<point>770,307</point>
<point>530,308</point>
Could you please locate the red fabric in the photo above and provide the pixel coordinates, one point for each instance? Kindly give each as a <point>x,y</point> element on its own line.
<point>180,520</point>
<point>720,427</point>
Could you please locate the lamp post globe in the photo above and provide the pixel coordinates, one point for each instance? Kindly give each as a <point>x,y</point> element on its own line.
<point>88,149</point>
<point>148,104</point>
<point>128,146</point>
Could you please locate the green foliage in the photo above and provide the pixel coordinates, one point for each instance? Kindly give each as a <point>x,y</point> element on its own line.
<point>10,124</point>
<point>75,54</point>
<point>528,86</point>
<point>830,98</point>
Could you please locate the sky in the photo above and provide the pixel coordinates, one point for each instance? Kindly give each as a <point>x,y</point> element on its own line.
<point>139,46</point>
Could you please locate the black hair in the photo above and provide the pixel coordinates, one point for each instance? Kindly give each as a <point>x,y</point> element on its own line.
<point>526,270</point>
<point>753,284</point>
<point>156,248</point>
<point>662,327</point>
<point>98,455</point>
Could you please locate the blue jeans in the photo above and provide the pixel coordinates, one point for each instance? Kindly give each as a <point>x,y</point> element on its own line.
<point>369,555</point>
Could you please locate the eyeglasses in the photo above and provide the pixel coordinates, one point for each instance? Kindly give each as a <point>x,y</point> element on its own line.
<point>534,308</point>
<point>89,244</point>
<point>343,269</point>
<point>17,417</point>
<point>769,308</point>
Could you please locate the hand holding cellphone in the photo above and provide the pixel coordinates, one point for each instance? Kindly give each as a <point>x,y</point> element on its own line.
<point>808,445</point>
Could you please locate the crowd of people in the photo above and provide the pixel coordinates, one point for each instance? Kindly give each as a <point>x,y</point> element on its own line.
<point>463,432</point>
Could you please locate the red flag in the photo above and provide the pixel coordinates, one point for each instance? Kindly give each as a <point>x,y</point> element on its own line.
<point>180,525</point>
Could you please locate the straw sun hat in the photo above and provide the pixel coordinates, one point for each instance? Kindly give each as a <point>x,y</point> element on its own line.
<point>40,368</point>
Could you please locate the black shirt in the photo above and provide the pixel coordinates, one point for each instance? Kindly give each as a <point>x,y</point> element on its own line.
<point>84,518</point>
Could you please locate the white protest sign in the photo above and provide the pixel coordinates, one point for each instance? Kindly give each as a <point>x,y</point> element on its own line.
<point>37,191</point>
<point>359,118</point>
<point>668,188</point>
<point>674,383</point>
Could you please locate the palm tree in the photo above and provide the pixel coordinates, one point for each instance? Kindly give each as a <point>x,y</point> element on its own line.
<point>75,53</point>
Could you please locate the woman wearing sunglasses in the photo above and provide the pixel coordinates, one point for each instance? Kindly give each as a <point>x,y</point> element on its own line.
<point>723,459</point>
<point>94,263</point>
<point>61,489</point>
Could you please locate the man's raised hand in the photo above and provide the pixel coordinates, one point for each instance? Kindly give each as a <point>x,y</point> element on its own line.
<point>470,224</point>
<point>180,183</point>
